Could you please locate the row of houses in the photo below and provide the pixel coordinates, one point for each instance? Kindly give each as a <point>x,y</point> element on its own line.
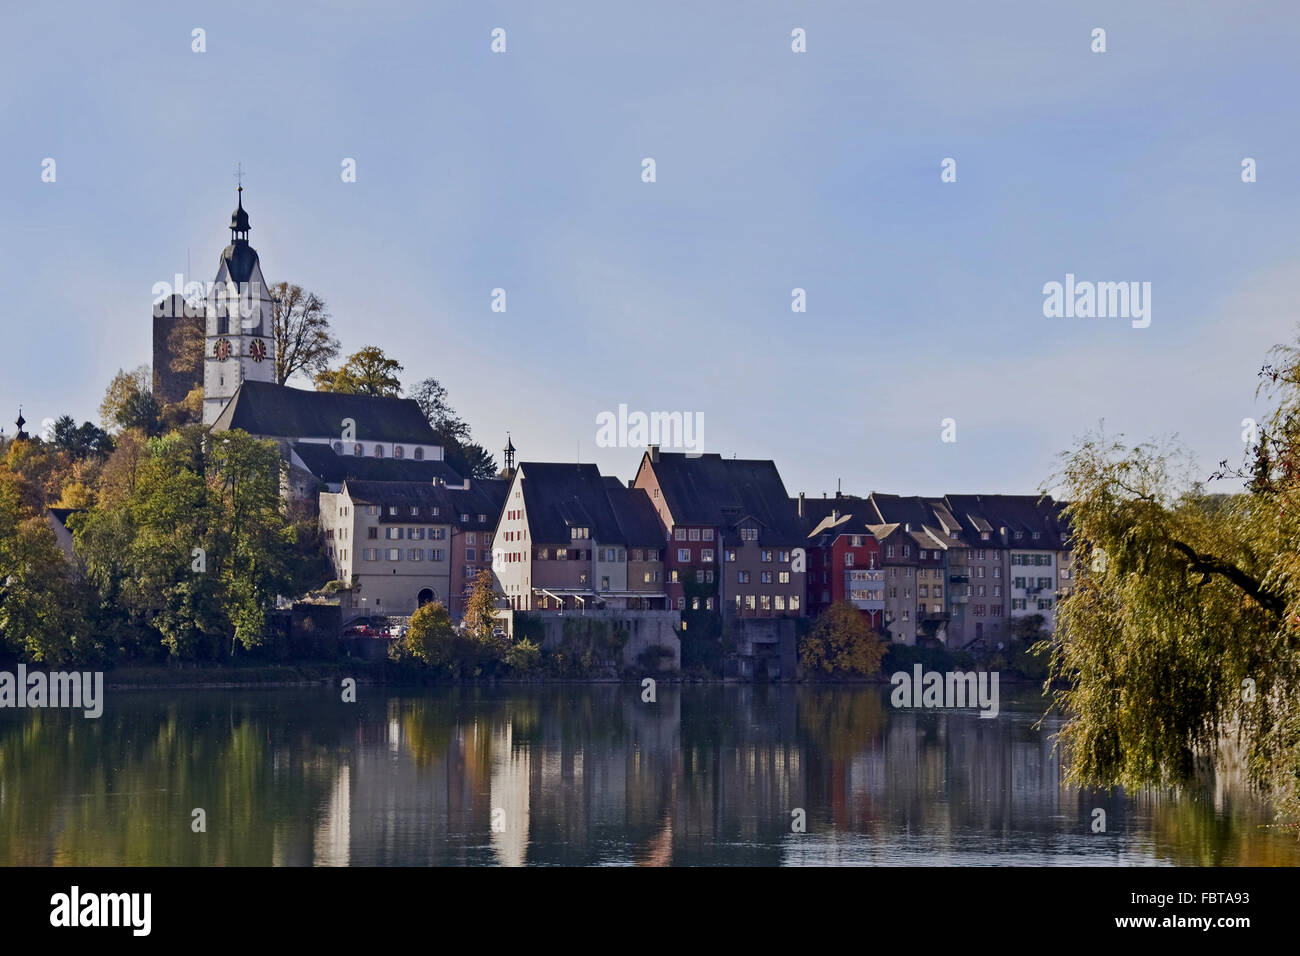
<point>687,533</point>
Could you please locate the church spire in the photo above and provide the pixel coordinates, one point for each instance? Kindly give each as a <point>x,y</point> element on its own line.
<point>239,221</point>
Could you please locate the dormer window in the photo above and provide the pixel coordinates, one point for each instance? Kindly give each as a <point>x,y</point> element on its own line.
<point>419,454</point>
<point>984,535</point>
<point>398,451</point>
<point>577,533</point>
<point>358,450</point>
<point>338,448</point>
<point>1019,535</point>
<point>379,451</point>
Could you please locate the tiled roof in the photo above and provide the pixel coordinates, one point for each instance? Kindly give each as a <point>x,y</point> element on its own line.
<point>323,462</point>
<point>264,408</point>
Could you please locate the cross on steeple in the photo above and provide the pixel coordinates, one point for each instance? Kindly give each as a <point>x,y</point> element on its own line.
<point>239,177</point>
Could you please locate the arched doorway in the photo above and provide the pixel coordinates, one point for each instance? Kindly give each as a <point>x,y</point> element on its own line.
<point>426,596</point>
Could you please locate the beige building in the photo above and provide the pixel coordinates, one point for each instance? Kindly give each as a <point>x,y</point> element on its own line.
<point>389,544</point>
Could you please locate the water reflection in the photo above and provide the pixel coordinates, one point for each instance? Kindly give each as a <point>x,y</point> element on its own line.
<point>582,775</point>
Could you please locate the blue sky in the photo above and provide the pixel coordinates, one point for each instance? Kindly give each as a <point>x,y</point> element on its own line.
<point>775,170</point>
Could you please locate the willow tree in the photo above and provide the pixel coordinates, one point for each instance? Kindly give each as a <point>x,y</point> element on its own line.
<point>1183,628</point>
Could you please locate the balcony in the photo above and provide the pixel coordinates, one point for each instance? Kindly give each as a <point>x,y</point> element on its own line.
<point>959,578</point>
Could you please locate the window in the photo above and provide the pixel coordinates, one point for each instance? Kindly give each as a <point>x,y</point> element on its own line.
<point>1017,604</point>
<point>794,602</point>
<point>907,550</point>
<point>749,602</point>
<point>372,510</point>
<point>731,554</point>
<point>848,559</point>
<point>708,577</point>
<point>437,534</point>
<point>980,610</point>
<point>1045,605</point>
<point>576,533</point>
<point>923,591</point>
<point>390,533</point>
<point>679,534</point>
<point>693,534</point>
<point>706,555</point>
<point>742,577</point>
<point>708,534</point>
<point>684,554</point>
<point>672,576</point>
<point>997,571</point>
<point>604,583</point>
<point>393,554</point>
<point>379,451</point>
<point>561,554</point>
<point>783,577</point>
<point>471,554</point>
<point>1036,535</point>
<point>765,556</point>
<point>415,554</point>
<point>338,448</point>
<point>765,602</point>
<point>938,590</point>
<point>765,577</point>
<point>372,533</point>
<point>748,534</point>
<point>419,454</point>
<point>984,536</point>
<point>469,538</point>
<point>889,550</point>
<point>437,554</point>
<point>783,557</point>
<point>855,541</point>
<point>980,591</point>
<point>997,590</point>
<point>923,554</point>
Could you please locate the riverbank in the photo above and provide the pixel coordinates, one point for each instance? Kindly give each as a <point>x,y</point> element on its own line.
<point>314,673</point>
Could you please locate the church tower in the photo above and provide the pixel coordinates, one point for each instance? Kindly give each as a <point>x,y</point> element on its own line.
<point>239,342</point>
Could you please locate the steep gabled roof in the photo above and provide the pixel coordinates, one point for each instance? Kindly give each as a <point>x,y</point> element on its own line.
<point>322,461</point>
<point>722,492</point>
<point>278,411</point>
<point>635,514</point>
<point>561,496</point>
<point>484,496</point>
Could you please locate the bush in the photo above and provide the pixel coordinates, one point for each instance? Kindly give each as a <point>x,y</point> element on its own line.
<point>841,640</point>
<point>524,657</point>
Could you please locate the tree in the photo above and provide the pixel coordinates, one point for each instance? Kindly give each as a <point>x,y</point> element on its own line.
<point>841,640</point>
<point>81,442</point>
<point>461,454</point>
<point>129,402</point>
<point>476,462</point>
<point>431,396</point>
<point>1184,622</point>
<point>480,608</point>
<point>368,372</point>
<point>430,637</point>
<point>42,615</point>
<point>303,340</point>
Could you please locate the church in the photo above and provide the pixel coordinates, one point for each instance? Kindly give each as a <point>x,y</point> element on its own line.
<point>326,438</point>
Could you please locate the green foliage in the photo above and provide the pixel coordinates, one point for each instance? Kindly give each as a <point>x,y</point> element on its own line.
<point>430,638</point>
<point>368,372</point>
<point>841,641</point>
<point>524,657</point>
<point>195,548</point>
<point>1183,627</point>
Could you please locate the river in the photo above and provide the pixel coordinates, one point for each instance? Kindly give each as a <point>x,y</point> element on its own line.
<point>583,774</point>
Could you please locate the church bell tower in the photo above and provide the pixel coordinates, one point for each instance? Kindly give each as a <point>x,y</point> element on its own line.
<point>239,341</point>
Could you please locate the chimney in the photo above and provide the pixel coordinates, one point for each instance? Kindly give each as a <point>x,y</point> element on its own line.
<point>654,453</point>
<point>801,504</point>
<point>631,482</point>
<point>907,526</point>
<point>835,514</point>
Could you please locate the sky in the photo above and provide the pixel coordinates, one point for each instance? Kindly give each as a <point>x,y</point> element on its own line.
<point>774,170</point>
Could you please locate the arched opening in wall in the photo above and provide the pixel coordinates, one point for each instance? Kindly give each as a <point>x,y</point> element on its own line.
<point>426,596</point>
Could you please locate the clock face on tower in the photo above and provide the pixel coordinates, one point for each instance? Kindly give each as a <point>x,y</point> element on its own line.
<point>257,350</point>
<point>222,349</point>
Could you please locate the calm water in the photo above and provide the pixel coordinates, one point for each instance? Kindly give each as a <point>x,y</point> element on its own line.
<point>580,775</point>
